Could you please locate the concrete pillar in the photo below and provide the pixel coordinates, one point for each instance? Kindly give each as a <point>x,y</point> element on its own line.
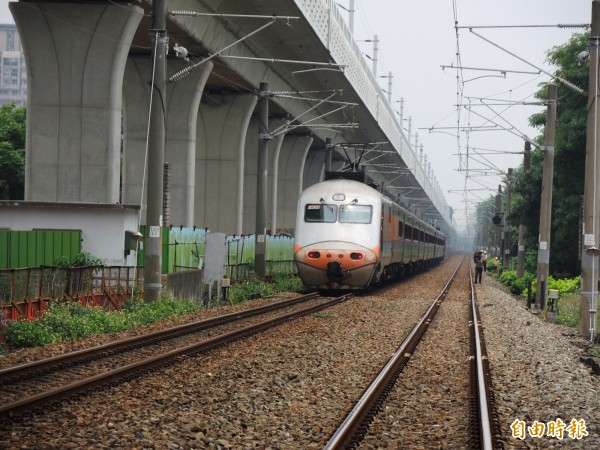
<point>76,55</point>
<point>314,166</point>
<point>183,100</point>
<point>220,159</point>
<point>250,164</point>
<point>290,173</point>
<point>274,181</point>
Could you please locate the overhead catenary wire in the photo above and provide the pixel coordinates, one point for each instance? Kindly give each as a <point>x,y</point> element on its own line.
<point>556,77</point>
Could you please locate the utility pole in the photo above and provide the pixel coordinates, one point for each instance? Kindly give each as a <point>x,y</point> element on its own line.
<point>507,235</point>
<point>588,300</point>
<point>497,220</point>
<point>401,113</point>
<point>522,227</point>
<point>328,155</point>
<point>390,77</point>
<point>351,16</point>
<point>543,265</point>
<point>261,181</point>
<point>375,50</point>
<point>156,156</point>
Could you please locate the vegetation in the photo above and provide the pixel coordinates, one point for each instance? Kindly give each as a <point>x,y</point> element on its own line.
<point>257,288</point>
<point>12,152</point>
<point>567,310</point>
<point>72,321</point>
<point>569,169</point>
<point>518,286</point>
<point>83,259</point>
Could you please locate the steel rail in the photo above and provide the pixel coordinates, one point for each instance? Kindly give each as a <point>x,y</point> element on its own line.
<point>13,374</point>
<point>37,404</point>
<point>355,425</point>
<point>484,419</point>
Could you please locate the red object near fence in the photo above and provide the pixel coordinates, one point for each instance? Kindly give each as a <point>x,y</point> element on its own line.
<point>25,293</point>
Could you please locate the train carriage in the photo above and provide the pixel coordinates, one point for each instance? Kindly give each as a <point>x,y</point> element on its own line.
<point>350,236</point>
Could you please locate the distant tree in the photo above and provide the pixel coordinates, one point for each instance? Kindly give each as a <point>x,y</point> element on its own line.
<point>12,152</point>
<point>569,162</point>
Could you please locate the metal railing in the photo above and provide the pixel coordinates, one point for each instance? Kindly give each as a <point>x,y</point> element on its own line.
<point>25,293</point>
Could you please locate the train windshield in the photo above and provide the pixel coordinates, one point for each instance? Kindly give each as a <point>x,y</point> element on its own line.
<point>320,213</point>
<point>356,213</point>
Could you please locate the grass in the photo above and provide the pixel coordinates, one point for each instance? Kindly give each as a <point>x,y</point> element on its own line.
<point>72,321</point>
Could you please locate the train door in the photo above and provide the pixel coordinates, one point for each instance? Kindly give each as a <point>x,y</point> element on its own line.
<point>400,242</point>
<point>386,232</point>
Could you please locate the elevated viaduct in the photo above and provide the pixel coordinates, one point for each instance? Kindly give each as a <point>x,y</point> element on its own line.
<point>90,70</point>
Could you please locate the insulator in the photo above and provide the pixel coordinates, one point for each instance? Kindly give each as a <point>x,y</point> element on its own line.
<point>573,25</point>
<point>183,13</point>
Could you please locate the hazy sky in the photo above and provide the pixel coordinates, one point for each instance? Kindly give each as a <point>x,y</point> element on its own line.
<point>417,37</point>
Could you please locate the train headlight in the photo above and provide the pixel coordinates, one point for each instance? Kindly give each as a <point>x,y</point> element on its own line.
<point>314,255</point>
<point>356,256</point>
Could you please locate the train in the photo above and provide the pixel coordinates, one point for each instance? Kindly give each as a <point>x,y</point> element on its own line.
<point>349,236</point>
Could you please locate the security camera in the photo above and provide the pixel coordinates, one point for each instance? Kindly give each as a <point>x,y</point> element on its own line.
<point>181,52</point>
<point>582,57</point>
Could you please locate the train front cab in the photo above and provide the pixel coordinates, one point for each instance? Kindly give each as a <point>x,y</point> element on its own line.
<point>337,245</point>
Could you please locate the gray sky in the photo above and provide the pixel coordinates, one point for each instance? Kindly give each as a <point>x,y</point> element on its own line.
<point>417,37</point>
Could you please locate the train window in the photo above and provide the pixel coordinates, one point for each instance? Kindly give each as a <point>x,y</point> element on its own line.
<point>356,213</point>
<point>320,213</point>
<point>408,232</point>
<point>400,228</point>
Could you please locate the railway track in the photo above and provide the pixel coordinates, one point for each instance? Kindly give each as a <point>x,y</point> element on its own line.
<point>34,388</point>
<point>484,428</point>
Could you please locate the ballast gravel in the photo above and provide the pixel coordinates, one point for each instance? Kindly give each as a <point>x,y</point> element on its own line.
<point>290,387</point>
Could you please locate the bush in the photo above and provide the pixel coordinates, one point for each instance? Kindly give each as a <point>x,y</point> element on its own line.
<point>517,286</point>
<point>260,288</point>
<point>565,285</point>
<point>80,260</point>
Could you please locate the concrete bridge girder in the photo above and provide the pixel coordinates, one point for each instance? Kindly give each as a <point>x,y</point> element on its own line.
<point>74,97</point>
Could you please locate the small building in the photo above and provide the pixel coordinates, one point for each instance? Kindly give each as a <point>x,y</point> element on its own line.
<point>108,231</point>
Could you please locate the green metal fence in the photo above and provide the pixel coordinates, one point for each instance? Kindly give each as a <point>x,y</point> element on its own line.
<point>37,248</point>
<point>184,248</point>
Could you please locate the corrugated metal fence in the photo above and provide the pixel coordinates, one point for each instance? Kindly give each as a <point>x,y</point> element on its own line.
<point>37,247</point>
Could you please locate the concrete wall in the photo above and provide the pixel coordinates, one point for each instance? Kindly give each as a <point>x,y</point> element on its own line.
<point>186,285</point>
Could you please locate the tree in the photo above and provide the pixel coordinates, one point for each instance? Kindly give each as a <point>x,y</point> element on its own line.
<point>12,152</point>
<point>569,162</point>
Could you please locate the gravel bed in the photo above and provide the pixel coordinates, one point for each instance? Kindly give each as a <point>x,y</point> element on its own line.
<point>536,372</point>
<point>429,406</point>
<point>287,388</point>
<point>290,387</point>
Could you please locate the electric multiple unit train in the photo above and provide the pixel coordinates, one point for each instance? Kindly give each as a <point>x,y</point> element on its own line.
<point>350,236</point>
